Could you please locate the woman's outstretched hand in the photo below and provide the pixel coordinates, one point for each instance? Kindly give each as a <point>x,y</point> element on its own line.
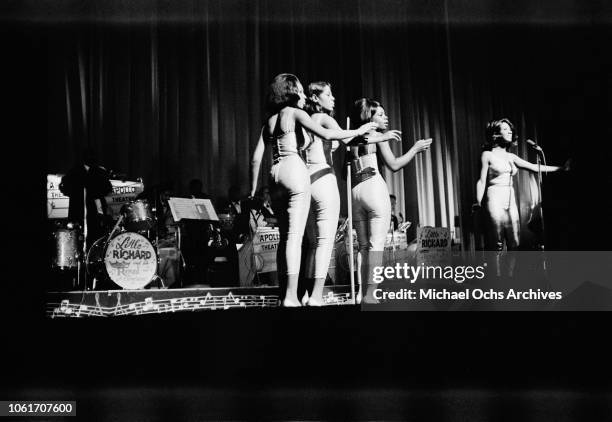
<point>393,135</point>
<point>367,127</point>
<point>422,145</point>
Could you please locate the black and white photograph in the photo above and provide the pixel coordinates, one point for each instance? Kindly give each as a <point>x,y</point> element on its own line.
<point>308,209</point>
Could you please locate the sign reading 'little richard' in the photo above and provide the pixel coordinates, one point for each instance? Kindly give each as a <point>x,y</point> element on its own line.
<point>433,245</point>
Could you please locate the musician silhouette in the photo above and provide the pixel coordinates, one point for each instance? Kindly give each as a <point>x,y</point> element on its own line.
<point>88,179</point>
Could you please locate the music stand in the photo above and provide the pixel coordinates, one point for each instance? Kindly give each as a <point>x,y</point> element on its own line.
<point>191,210</point>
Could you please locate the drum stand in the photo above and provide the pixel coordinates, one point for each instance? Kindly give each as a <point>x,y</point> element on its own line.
<point>80,257</point>
<point>156,277</point>
<point>156,225</point>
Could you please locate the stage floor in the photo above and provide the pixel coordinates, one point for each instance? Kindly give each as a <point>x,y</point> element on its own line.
<point>112,303</point>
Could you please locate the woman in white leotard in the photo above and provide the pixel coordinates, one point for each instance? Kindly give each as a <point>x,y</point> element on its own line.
<point>498,169</point>
<point>370,195</point>
<point>289,173</point>
<point>325,198</point>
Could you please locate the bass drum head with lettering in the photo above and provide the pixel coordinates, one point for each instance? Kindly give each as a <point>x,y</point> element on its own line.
<point>130,260</point>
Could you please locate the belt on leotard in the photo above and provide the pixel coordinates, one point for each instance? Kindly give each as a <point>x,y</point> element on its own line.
<point>320,173</point>
<point>277,159</point>
<point>361,175</point>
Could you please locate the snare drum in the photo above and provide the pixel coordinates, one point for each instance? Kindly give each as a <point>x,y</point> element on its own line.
<point>65,248</point>
<point>137,216</point>
<point>129,260</point>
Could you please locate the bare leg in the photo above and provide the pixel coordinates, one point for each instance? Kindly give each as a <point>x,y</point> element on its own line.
<point>498,220</point>
<point>309,262</point>
<point>512,238</point>
<point>358,295</point>
<point>291,299</point>
<point>368,290</point>
<point>305,290</point>
<point>316,299</point>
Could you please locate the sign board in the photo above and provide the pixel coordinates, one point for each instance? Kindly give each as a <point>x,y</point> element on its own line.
<point>433,245</point>
<point>123,192</point>
<point>57,202</point>
<point>396,240</point>
<point>265,245</point>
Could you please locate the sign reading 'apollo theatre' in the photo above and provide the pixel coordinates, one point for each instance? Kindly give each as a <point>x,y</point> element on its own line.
<point>123,192</point>
<point>265,245</point>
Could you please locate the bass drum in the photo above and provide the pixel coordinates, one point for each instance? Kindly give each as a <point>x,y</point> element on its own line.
<point>129,261</point>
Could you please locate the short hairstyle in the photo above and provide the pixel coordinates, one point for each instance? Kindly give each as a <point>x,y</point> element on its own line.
<point>283,92</point>
<point>493,134</point>
<point>363,110</point>
<point>316,88</point>
<point>392,196</point>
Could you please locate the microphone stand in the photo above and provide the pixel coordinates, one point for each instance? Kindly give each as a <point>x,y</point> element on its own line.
<point>350,221</point>
<point>156,204</point>
<point>542,245</point>
<point>85,241</point>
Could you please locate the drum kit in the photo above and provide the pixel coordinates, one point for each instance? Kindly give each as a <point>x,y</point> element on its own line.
<point>126,257</point>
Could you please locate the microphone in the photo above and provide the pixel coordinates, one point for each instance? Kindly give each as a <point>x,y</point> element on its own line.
<point>533,144</point>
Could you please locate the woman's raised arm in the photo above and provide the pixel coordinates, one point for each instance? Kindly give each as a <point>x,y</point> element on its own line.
<point>524,164</point>
<point>397,163</point>
<point>329,134</point>
<point>329,122</point>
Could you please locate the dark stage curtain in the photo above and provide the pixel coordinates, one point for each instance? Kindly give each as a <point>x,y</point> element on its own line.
<point>175,101</point>
<point>173,97</point>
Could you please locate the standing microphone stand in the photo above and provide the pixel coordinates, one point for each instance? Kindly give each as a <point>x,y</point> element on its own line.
<point>392,227</point>
<point>156,204</point>
<point>350,219</point>
<point>84,251</point>
<point>542,246</point>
